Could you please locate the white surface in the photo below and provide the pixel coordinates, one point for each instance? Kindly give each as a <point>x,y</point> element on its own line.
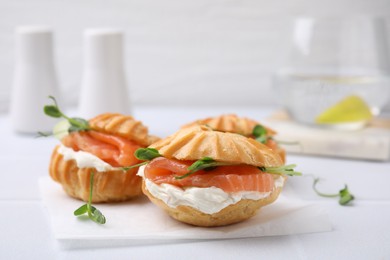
<point>285,217</point>
<point>361,231</point>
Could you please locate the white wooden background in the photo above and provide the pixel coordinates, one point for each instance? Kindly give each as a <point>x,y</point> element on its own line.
<point>203,52</point>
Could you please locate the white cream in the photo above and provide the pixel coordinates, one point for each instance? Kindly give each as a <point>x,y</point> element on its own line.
<point>84,159</point>
<point>208,200</point>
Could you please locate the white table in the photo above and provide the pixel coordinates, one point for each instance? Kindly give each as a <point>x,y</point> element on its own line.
<point>361,231</point>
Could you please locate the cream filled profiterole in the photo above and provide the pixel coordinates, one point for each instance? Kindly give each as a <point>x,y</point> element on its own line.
<point>209,178</point>
<point>244,126</point>
<point>95,155</point>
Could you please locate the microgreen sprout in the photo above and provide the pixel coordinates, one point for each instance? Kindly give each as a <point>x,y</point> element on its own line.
<point>93,213</point>
<point>76,124</point>
<point>260,134</point>
<point>282,170</point>
<point>144,154</point>
<point>207,164</point>
<point>344,194</point>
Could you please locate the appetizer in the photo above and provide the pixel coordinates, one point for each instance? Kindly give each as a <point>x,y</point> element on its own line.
<point>103,148</point>
<point>244,126</point>
<point>210,178</point>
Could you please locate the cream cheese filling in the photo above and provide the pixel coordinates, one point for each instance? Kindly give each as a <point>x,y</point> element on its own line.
<point>207,200</point>
<point>84,159</point>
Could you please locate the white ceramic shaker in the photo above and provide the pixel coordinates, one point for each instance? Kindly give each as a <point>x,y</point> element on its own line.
<point>104,86</point>
<point>34,79</point>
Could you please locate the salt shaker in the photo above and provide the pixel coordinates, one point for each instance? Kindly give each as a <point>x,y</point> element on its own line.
<point>34,79</point>
<point>104,86</point>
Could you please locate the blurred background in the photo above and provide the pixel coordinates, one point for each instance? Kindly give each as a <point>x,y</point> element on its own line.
<point>177,52</point>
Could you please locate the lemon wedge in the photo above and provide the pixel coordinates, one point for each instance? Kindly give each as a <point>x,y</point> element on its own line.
<point>350,109</point>
<point>61,129</point>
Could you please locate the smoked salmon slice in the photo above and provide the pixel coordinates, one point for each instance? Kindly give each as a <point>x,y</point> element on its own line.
<point>232,178</point>
<point>115,150</point>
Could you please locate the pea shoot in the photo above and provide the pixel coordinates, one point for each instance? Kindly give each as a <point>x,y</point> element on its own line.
<point>144,154</point>
<point>282,170</point>
<point>75,123</point>
<point>344,194</point>
<point>260,134</point>
<point>93,213</point>
<point>208,164</point>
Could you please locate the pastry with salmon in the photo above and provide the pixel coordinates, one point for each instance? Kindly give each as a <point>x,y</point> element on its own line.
<point>232,123</point>
<point>204,177</point>
<point>104,147</point>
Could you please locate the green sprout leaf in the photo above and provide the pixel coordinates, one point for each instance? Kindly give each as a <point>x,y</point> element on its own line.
<point>93,213</point>
<point>52,111</point>
<point>344,195</point>
<point>81,211</point>
<point>146,154</point>
<point>260,134</point>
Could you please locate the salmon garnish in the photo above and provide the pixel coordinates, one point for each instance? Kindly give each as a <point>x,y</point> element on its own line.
<point>115,150</point>
<point>232,178</point>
